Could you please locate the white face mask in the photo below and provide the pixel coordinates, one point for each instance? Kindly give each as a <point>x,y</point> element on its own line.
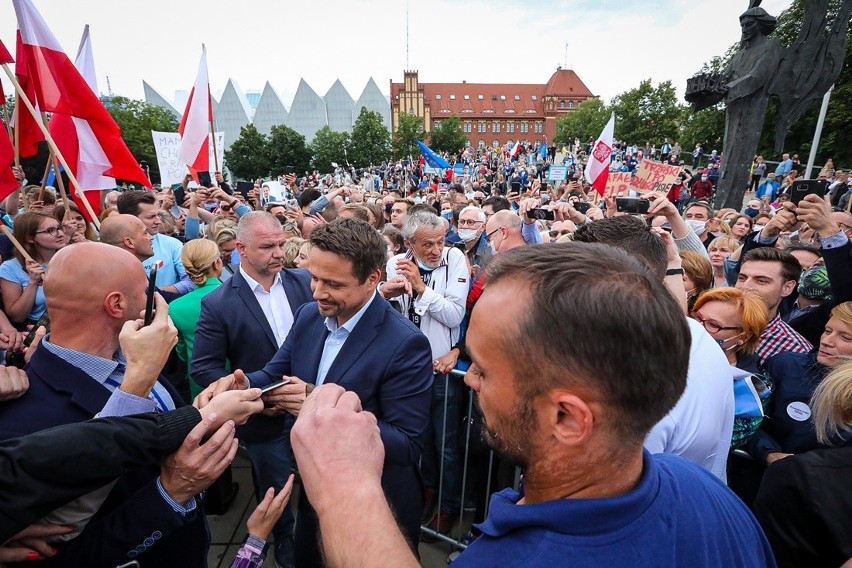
<point>467,235</point>
<point>697,225</point>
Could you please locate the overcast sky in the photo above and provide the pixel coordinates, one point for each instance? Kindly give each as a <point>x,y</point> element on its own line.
<point>612,44</point>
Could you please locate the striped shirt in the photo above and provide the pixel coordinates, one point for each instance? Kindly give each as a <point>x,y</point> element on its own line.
<point>779,337</point>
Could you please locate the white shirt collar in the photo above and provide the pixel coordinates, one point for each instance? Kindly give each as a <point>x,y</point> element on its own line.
<point>257,286</point>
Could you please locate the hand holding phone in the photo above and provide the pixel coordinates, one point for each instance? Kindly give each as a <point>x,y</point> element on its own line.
<point>273,386</point>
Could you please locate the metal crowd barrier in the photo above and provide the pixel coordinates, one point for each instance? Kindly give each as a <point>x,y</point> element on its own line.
<point>458,375</point>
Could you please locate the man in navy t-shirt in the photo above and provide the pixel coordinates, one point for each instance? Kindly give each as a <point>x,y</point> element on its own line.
<point>600,366</point>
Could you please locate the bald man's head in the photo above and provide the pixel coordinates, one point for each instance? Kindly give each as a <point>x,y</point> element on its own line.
<point>127,232</point>
<point>92,288</point>
<point>504,218</point>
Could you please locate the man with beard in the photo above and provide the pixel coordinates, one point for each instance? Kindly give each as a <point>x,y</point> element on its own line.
<point>575,420</point>
<point>352,337</point>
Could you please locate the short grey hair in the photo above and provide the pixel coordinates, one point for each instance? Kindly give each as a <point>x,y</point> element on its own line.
<point>420,220</point>
<point>253,219</point>
<point>479,212</point>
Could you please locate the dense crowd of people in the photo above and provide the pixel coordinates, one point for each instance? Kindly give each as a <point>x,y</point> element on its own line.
<point>675,386</point>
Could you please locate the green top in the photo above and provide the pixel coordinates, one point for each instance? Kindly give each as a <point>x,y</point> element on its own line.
<point>184,313</point>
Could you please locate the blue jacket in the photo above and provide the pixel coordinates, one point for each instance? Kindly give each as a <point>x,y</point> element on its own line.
<point>787,426</point>
<point>233,333</point>
<point>134,518</point>
<point>387,362</point>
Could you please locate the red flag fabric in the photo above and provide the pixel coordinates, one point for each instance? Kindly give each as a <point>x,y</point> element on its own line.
<point>597,168</point>
<point>8,182</point>
<point>60,89</point>
<point>5,56</point>
<point>195,123</point>
<point>29,134</point>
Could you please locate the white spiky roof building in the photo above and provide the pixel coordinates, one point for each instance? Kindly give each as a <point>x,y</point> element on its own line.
<point>308,113</point>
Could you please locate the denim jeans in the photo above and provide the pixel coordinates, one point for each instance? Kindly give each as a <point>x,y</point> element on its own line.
<point>271,462</point>
<point>446,391</point>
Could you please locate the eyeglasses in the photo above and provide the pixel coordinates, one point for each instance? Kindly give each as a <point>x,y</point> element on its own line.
<point>488,236</point>
<point>713,327</point>
<point>52,230</point>
<point>469,222</point>
<point>559,233</point>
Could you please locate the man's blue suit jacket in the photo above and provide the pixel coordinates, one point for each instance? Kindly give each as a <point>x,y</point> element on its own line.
<point>134,517</point>
<point>232,328</point>
<point>387,362</point>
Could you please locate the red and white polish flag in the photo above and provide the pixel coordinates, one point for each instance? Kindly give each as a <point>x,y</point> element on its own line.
<point>597,168</point>
<point>90,134</point>
<point>194,126</point>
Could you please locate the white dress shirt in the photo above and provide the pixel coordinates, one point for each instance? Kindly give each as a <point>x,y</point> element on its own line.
<point>274,305</point>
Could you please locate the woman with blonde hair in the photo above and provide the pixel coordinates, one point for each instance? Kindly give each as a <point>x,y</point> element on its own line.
<point>223,232</point>
<point>203,264</point>
<point>789,425</point>
<point>291,251</point>
<point>804,501</point>
<point>720,249</point>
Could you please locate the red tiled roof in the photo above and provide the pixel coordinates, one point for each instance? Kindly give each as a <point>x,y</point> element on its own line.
<point>566,83</point>
<point>495,100</point>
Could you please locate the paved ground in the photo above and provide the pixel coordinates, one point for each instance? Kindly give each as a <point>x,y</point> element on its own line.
<point>228,530</point>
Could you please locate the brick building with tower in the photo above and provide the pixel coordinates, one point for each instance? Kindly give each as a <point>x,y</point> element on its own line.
<point>491,114</point>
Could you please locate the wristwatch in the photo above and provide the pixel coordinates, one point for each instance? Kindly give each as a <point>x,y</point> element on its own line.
<point>674,271</point>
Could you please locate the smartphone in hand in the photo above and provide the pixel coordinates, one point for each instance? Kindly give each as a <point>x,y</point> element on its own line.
<point>149,296</point>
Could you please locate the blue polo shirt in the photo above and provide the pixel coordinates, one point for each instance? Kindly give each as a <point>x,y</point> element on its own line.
<point>678,515</point>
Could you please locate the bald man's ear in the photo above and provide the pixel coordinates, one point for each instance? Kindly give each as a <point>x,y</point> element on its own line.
<point>128,243</point>
<point>115,306</point>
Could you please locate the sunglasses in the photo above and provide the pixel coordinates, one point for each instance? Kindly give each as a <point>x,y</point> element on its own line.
<point>225,207</point>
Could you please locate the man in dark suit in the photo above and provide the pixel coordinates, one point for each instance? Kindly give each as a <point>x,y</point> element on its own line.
<point>241,326</point>
<point>94,293</point>
<point>352,337</point>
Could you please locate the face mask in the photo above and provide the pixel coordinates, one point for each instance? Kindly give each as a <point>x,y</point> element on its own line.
<point>758,227</point>
<point>448,214</point>
<point>696,225</point>
<point>467,235</point>
<point>721,343</point>
<point>751,212</point>
<point>423,266</point>
<point>493,248</point>
<point>718,233</point>
<point>703,178</point>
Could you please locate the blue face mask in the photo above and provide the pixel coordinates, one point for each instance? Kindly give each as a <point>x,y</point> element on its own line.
<point>423,266</point>
<point>751,212</point>
<point>448,214</point>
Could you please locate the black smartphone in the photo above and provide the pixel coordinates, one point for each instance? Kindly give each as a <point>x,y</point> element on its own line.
<point>541,214</point>
<point>581,207</point>
<point>801,188</point>
<point>180,194</point>
<point>244,187</point>
<point>632,205</point>
<point>289,169</point>
<point>204,179</point>
<point>149,296</point>
<point>43,321</point>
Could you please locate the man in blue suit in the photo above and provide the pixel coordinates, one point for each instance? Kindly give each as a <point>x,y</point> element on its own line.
<point>352,337</point>
<point>152,515</point>
<point>242,324</point>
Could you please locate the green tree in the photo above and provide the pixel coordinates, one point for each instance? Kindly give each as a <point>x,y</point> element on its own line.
<point>584,122</point>
<point>137,119</point>
<point>648,114</point>
<point>328,146</point>
<point>408,132</point>
<point>448,136</point>
<point>370,141</point>
<point>287,148</point>
<point>705,127</point>
<point>248,156</point>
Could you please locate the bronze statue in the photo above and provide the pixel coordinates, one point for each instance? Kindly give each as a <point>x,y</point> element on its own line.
<point>797,75</point>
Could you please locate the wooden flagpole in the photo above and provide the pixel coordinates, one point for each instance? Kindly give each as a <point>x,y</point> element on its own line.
<point>51,142</point>
<point>15,242</point>
<point>215,153</point>
<point>17,140</point>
